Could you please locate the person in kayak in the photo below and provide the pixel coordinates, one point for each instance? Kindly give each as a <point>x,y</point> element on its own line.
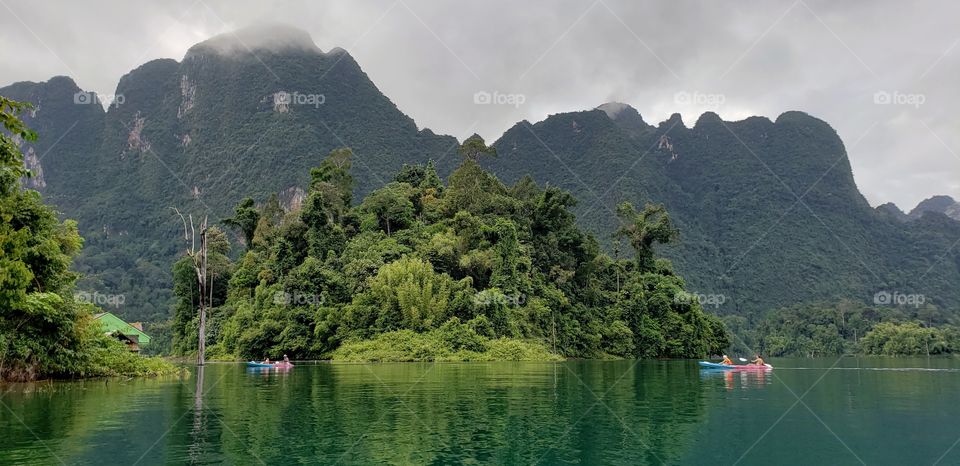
<point>266,360</point>
<point>758,361</point>
<point>726,360</point>
<point>286,360</point>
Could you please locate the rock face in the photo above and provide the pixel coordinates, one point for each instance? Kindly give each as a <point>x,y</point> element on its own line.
<point>32,162</point>
<point>292,198</point>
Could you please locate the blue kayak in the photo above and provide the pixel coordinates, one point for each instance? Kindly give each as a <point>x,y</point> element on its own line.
<point>715,365</point>
<point>275,365</point>
<point>738,367</point>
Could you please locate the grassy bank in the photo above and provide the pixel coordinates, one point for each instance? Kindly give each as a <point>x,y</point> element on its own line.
<point>409,346</point>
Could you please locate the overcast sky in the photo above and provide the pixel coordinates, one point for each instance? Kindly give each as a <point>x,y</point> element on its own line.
<point>829,59</point>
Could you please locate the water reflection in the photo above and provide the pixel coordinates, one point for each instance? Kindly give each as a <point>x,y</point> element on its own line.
<point>198,432</point>
<point>738,379</point>
<point>580,412</point>
<point>266,372</point>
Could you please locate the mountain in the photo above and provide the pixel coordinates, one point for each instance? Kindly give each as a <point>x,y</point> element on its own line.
<point>768,210</point>
<point>245,112</point>
<point>941,204</point>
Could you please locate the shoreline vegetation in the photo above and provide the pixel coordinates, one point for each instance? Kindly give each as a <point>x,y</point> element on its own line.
<point>44,331</point>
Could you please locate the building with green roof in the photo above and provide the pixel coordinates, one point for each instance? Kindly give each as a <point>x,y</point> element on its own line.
<point>131,334</point>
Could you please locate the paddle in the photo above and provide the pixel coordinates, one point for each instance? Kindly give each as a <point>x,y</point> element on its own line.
<point>743,360</point>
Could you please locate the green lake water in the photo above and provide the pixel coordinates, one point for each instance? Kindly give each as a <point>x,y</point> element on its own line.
<point>824,411</point>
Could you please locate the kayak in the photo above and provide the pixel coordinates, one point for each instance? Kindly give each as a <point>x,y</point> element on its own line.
<point>735,367</point>
<point>276,364</point>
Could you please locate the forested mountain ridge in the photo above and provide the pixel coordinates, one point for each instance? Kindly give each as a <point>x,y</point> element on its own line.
<point>769,211</point>
<point>243,116</point>
<point>226,122</point>
<point>941,204</point>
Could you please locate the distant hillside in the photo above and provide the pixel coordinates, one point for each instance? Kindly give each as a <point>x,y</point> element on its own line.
<point>939,204</point>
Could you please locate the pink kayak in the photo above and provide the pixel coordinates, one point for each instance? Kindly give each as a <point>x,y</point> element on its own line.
<point>735,367</point>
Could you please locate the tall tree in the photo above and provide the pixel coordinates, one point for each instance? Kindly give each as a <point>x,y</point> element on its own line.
<point>645,229</point>
<point>245,218</point>
<point>474,147</point>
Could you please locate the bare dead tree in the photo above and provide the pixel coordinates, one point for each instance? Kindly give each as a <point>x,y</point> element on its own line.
<point>199,259</point>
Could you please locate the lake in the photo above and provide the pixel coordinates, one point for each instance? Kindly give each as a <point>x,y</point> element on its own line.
<point>823,411</point>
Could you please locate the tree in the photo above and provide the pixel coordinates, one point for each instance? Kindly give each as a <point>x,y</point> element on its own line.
<point>11,159</point>
<point>409,294</point>
<point>245,218</point>
<point>333,183</point>
<point>645,229</point>
<point>474,147</point>
<point>388,208</point>
<point>213,245</point>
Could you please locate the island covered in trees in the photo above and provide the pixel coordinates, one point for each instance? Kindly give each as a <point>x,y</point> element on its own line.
<point>422,270</point>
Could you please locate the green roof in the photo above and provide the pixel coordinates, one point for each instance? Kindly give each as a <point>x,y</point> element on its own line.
<point>112,323</point>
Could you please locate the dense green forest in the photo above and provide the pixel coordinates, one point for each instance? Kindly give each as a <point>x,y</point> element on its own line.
<point>420,269</point>
<point>44,331</point>
<point>846,327</point>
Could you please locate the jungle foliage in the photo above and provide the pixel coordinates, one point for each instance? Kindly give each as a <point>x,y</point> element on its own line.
<point>44,330</point>
<point>419,269</point>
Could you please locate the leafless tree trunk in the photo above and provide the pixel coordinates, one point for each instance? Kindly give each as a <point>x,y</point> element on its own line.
<point>199,258</point>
